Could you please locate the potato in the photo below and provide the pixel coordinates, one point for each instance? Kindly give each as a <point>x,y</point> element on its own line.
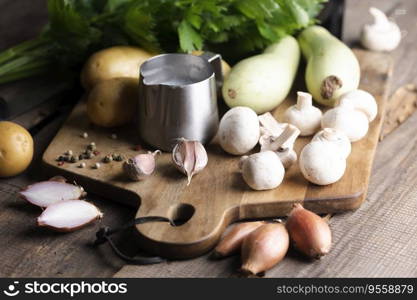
<point>113,102</point>
<point>118,61</point>
<point>225,66</point>
<point>16,149</point>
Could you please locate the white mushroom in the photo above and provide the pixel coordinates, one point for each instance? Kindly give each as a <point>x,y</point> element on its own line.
<point>361,100</point>
<point>336,137</point>
<point>382,35</point>
<point>262,171</point>
<point>270,129</point>
<point>348,120</point>
<point>239,130</point>
<point>322,163</point>
<point>304,115</point>
<point>283,145</point>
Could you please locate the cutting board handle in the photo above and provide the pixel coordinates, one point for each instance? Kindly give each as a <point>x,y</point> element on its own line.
<point>195,232</point>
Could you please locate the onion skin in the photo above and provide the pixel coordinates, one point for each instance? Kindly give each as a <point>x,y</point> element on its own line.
<point>232,241</point>
<point>309,233</point>
<point>264,248</point>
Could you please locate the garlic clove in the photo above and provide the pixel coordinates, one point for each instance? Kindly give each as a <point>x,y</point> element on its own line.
<point>336,137</point>
<point>190,157</point>
<point>382,35</point>
<point>45,193</point>
<point>263,248</point>
<point>309,233</point>
<point>232,241</point>
<point>140,166</point>
<point>69,215</point>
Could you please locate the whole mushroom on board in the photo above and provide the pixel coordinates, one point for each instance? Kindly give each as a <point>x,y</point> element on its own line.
<point>362,101</point>
<point>304,115</point>
<point>348,120</point>
<point>270,130</point>
<point>262,171</point>
<point>322,163</point>
<point>239,130</point>
<point>382,35</point>
<point>334,136</point>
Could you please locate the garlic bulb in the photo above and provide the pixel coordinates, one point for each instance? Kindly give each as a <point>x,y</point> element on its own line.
<point>190,157</point>
<point>140,166</point>
<point>382,35</point>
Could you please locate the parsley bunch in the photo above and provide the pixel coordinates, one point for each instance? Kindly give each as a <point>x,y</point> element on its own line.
<point>77,28</point>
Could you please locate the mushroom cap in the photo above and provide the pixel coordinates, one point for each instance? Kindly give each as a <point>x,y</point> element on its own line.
<point>239,130</point>
<point>348,120</point>
<point>336,137</point>
<point>321,163</point>
<point>263,170</point>
<point>360,100</point>
<point>306,120</point>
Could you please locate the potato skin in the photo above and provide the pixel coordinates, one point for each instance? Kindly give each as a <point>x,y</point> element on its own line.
<point>113,102</point>
<point>118,61</point>
<point>16,149</point>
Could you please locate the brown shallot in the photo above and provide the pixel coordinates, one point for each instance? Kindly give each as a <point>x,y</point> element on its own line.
<point>264,248</point>
<point>309,233</point>
<point>232,241</point>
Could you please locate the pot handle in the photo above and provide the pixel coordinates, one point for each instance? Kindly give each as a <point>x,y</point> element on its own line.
<point>215,61</point>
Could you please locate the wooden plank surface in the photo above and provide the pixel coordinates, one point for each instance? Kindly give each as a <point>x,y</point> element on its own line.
<point>377,240</point>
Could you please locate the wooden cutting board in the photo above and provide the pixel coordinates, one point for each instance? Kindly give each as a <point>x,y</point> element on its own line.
<point>217,196</point>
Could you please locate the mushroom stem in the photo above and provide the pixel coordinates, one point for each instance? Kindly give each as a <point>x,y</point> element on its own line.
<point>287,138</point>
<point>304,100</point>
<point>380,19</point>
<point>270,125</point>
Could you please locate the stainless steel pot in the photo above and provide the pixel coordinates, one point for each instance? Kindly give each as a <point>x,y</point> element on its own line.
<point>178,98</point>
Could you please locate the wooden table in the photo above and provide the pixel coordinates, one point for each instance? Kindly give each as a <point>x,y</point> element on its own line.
<point>377,240</point>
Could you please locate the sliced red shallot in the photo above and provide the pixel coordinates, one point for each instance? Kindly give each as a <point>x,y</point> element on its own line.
<point>69,215</point>
<point>45,193</point>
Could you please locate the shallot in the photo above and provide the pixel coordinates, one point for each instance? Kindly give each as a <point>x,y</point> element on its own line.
<point>309,233</point>
<point>232,241</point>
<point>45,193</point>
<point>69,215</point>
<point>264,248</point>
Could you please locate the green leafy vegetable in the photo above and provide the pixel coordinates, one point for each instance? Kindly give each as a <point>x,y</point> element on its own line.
<point>77,28</point>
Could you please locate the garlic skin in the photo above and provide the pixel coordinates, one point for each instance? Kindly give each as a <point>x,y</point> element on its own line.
<point>362,101</point>
<point>232,241</point>
<point>264,248</point>
<point>336,137</point>
<point>140,166</point>
<point>309,233</point>
<point>69,215</point>
<point>304,115</point>
<point>189,157</point>
<point>322,163</point>
<point>45,193</point>
<point>382,35</point>
<point>348,120</point>
<point>262,171</point>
